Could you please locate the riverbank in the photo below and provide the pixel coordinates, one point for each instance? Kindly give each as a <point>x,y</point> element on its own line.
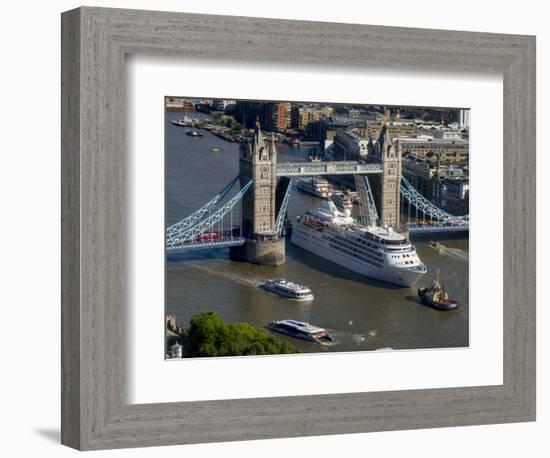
<point>209,336</point>
<point>230,130</point>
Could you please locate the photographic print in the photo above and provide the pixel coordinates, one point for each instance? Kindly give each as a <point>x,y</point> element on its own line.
<point>308,227</point>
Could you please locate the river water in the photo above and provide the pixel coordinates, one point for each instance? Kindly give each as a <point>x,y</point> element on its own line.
<point>362,314</point>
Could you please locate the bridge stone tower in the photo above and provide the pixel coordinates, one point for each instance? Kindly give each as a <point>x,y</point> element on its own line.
<point>386,187</point>
<point>258,162</point>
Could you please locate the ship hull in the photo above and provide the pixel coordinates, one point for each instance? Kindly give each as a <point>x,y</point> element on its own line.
<point>396,276</point>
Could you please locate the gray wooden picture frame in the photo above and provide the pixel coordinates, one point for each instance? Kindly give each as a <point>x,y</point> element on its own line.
<point>95,41</point>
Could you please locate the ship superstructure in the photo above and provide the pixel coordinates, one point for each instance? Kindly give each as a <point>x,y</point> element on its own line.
<point>289,289</point>
<point>317,186</point>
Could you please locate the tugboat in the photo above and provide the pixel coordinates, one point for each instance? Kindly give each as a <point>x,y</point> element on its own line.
<point>436,297</point>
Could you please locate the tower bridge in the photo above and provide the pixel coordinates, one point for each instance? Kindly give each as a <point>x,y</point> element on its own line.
<point>256,233</point>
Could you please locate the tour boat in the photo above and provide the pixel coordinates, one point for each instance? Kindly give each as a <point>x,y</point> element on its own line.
<point>316,185</point>
<point>300,330</point>
<point>343,199</point>
<point>180,122</point>
<point>288,289</point>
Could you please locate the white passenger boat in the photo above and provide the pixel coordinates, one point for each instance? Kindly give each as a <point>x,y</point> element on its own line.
<point>343,199</point>
<point>316,185</point>
<point>180,122</point>
<point>300,330</point>
<point>288,289</point>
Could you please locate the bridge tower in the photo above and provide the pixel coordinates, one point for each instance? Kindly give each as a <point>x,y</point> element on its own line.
<point>258,162</point>
<point>387,185</point>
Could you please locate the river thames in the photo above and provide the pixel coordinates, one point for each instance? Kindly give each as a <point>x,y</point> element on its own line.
<point>362,314</point>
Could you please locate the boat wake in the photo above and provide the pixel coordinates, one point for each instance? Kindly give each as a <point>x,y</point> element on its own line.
<point>455,253</point>
<point>247,280</point>
<point>341,336</point>
<point>359,338</point>
<point>332,343</point>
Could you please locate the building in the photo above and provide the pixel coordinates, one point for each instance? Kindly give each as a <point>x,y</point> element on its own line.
<point>301,116</point>
<point>450,149</point>
<point>223,105</point>
<point>419,167</point>
<point>176,351</point>
<point>448,134</point>
<point>456,188</point>
<point>430,131</point>
<point>171,322</point>
<point>248,112</point>
<point>397,129</point>
<point>438,182</point>
<point>386,187</point>
<point>348,146</point>
<point>464,118</point>
<point>179,104</point>
<point>318,131</point>
<point>277,115</point>
<point>336,123</point>
<point>258,162</point>
<point>423,173</point>
<point>455,195</point>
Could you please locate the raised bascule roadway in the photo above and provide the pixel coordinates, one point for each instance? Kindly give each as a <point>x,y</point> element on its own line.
<point>254,214</point>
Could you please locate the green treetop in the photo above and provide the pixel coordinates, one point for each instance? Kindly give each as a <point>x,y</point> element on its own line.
<point>209,335</point>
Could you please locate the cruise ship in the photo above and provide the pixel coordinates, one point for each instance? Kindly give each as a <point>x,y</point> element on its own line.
<point>376,252</point>
<point>317,186</point>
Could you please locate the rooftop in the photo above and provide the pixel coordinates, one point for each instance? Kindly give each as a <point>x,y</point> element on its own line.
<point>440,141</point>
<point>303,326</point>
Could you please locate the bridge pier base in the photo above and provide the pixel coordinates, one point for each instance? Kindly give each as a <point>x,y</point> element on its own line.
<point>269,252</point>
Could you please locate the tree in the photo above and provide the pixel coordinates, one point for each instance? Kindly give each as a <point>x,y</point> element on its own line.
<point>209,335</point>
